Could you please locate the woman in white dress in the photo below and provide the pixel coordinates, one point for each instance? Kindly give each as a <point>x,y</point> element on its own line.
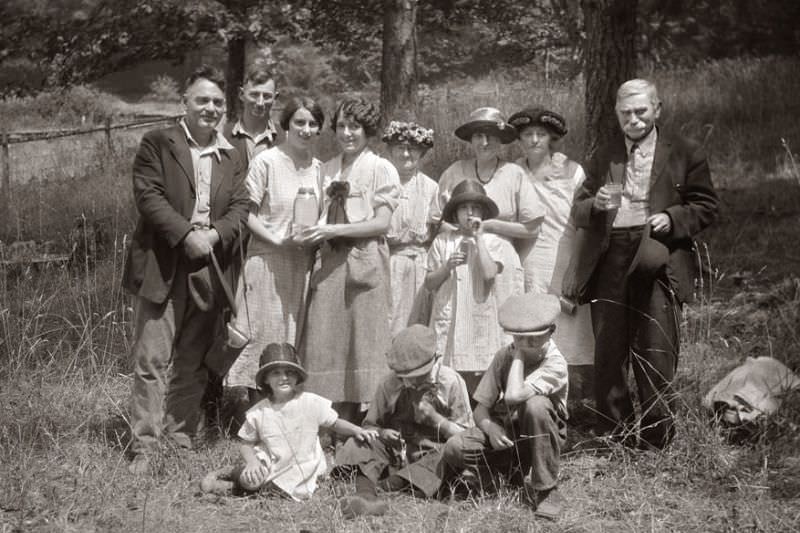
<point>270,297</point>
<point>408,234</point>
<point>555,178</point>
<point>346,335</point>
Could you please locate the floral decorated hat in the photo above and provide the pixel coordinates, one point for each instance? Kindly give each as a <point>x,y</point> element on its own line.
<point>407,133</point>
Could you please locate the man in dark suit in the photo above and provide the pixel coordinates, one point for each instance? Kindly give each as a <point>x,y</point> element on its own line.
<point>639,261</point>
<point>188,185</point>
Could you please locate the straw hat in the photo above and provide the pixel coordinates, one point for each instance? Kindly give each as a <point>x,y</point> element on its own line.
<point>487,120</point>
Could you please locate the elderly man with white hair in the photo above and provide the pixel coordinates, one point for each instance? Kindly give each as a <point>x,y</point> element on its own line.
<point>647,194</point>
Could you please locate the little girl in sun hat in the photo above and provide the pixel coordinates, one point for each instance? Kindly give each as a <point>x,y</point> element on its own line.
<point>280,436</point>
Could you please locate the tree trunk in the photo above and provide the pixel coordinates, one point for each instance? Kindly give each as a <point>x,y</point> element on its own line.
<point>234,75</point>
<point>609,60</point>
<point>399,65</point>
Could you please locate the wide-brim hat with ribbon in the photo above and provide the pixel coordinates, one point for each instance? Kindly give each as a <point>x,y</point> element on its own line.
<point>529,314</point>
<point>469,191</point>
<point>487,120</point>
<point>276,356</point>
<point>413,351</point>
<point>539,116</point>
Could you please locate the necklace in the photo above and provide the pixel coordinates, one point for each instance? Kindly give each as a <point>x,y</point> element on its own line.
<point>496,164</point>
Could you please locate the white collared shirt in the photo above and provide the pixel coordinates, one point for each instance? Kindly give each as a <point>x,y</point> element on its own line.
<point>635,207</point>
<point>258,143</point>
<point>202,166</point>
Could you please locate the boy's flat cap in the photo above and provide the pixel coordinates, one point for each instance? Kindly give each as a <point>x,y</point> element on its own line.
<point>529,314</point>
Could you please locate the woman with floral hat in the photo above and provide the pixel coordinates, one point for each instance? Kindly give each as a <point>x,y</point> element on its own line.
<point>555,179</point>
<point>409,231</point>
<point>506,184</point>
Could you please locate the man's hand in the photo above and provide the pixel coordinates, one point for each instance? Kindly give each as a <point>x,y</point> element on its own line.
<point>196,244</point>
<point>602,200</point>
<point>497,435</point>
<point>660,223</point>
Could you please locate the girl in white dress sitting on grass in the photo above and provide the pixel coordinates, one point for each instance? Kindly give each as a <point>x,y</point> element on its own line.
<point>280,436</point>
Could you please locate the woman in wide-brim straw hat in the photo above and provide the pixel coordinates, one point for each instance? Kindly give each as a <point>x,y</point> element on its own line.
<point>555,178</point>
<point>407,143</point>
<point>506,184</point>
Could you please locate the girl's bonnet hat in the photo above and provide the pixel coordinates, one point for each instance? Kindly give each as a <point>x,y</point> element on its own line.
<point>279,355</point>
<point>469,191</point>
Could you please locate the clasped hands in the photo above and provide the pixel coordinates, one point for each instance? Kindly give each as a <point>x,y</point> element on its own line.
<point>199,242</point>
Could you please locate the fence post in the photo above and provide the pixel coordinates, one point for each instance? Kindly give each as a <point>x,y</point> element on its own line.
<point>108,134</point>
<point>5,173</point>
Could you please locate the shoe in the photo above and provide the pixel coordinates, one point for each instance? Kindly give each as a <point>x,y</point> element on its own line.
<point>549,504</point>
<point>140,465</point>
<point>353,506</point>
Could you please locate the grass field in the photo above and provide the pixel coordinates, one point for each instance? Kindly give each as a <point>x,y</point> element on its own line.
<point>65,376</point>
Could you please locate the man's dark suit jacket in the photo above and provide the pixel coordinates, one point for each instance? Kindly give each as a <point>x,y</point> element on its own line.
<point>164,192</point>
<point>680,185</point>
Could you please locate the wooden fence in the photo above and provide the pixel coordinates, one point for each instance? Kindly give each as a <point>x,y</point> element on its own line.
<point>15,138</point>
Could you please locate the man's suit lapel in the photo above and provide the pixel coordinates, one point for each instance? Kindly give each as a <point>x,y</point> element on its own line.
<point>179,148</point>
<point>663,149</point>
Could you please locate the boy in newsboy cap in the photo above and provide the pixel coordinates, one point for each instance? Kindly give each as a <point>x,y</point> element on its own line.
<point>521,408</point>
<point>416,408</point>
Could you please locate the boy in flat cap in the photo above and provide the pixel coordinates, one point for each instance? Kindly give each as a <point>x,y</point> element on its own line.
<point>415,409</point>
<point>521,410</point>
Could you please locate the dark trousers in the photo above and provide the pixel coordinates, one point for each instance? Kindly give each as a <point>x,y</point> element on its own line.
<point>635,322</point>
<point>169,374</point>
<point>377,460</point>
<point>539,434</point>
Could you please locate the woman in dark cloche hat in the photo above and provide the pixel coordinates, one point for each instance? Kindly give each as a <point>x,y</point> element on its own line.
<point>554,177</point>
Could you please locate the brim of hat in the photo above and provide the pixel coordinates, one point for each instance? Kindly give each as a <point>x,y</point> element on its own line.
<point>277,364</point>
<point>419,371</point>
<point>535,333</point>
<point>449,211</point>
<point>507,135</point>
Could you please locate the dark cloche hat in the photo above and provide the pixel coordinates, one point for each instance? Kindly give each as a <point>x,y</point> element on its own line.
<point>538,116</point>
<point>469,191</point>
<point>277,355</point>
<point>488,120</point>
<point>529,314</point>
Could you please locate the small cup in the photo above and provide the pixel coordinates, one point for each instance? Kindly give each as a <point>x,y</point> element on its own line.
<point>615,192</point>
